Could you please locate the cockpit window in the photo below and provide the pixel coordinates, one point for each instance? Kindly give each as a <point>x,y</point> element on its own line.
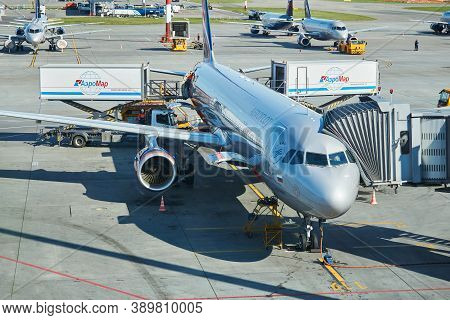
<point>298,158</point>
<point>316,159</point>
<point>337,159</point>
<point>350,157</point>
<point>288,156</point>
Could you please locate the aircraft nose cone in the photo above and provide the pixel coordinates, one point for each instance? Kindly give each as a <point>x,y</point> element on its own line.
<point>338,201</point>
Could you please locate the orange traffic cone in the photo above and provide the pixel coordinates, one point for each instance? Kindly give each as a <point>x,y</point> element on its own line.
<point>373,199</point>
<point>162,207</point>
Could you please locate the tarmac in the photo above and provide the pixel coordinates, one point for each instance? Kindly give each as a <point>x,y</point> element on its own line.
<point>74,224</point>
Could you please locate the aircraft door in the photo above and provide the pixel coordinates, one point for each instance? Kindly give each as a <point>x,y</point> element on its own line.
<point>302,81</point>
<point>279,78</point>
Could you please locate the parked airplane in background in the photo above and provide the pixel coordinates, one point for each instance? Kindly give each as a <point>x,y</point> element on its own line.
<point>273,22</point>
<point>325,30</point>
<point>311,172</point>
<point>440,27</point>
<point>38,31</point>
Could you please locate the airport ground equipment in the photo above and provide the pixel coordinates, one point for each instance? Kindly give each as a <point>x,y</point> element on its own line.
<point>266,207</point>
<point>352,47</point>
<point>77,82</point>
<point>300,79</point>
<point>444,98</point>
<point>180,35</point>
<point>391,144</point>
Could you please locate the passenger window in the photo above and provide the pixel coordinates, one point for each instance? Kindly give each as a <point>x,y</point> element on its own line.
<point>288,156</point>
<point>350,157</point>
<point>316,159</point>
<point>337,159</point>
<point>298,158</point>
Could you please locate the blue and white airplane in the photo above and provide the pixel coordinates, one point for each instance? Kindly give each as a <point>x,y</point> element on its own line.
<point>311,172</point>
<point>38,31</point>
<point>439,27</point>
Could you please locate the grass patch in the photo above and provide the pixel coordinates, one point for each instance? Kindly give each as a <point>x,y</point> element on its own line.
<point>370,1</point>
<point>133,21</point>
<point>430,8</point>
<point>299,13</point>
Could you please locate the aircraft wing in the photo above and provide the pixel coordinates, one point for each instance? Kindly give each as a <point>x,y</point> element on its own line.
<point>431,22</point>
<point>367,29</point>
<point>247,23</point>
<point>51,26</point>
<point>170,133</point>
<point>75,33</point>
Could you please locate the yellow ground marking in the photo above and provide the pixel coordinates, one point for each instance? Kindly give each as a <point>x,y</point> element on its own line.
<point>360,286</point>
<point>414,244</point>
<point>258,193</point>
<point>336,287</point>
<point>336,275</point>
<point>33,60</point>
<point>75,49</point>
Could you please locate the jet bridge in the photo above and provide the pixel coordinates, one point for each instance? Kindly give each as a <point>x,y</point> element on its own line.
<point>391,144</point>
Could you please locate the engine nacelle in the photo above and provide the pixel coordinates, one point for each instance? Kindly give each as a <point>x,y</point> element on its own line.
<point>10,44</point>
<point>254,30</point>
<point>155,168</point>
<point>352,38</point>
<point>20,32</point>
<point>294,29</point>
<point>437,27</point>
<point>304,41</point>
<point>61,44</point>
<point>60,31</point>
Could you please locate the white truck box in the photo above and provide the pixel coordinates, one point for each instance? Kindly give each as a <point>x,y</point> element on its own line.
<point>298,79</point>
<point>81,82</point>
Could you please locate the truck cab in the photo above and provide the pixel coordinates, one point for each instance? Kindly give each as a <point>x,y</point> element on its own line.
<point>161,118</point>
<point>444,98</point>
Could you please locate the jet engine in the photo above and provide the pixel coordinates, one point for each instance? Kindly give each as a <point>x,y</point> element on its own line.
<point>254,29</point>
<point>155,168</point>
<point>61,44</point>
<point>304,41</point>
<point>60,31</point>
<point>294,29</point>
<point>20,32</point>
<point>352,38</point>
<point>10,44</point>
<point>437,27</point>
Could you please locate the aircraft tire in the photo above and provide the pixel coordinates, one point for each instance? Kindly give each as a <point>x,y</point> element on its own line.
<point>302,242</point>
<point>314,241</point>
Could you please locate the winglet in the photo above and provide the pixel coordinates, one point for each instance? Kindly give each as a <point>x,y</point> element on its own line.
<point>208,53</point>
<point>307,10</point>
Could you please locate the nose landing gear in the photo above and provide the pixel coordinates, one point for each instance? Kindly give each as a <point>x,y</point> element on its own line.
<point>311,239</point>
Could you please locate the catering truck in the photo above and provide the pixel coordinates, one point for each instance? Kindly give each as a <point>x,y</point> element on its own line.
<point>298,79</point>
<point>90,82</point>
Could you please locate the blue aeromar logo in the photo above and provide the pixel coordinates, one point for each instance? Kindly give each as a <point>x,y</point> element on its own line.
<point>90,83</point>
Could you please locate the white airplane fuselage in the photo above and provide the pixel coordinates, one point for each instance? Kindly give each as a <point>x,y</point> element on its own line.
<point>322,29</point>
<point>261,123</point>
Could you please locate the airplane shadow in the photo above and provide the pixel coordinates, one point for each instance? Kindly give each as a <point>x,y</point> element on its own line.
<point>207,218</point>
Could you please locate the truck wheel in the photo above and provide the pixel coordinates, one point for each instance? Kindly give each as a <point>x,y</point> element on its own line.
<point>78,141</point>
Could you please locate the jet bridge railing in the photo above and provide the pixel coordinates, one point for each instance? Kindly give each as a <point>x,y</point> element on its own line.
<point>168,89</point>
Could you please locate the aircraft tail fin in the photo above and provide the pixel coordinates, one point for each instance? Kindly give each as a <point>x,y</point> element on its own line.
<point>208,53</point>
<point>37,9</point>
<point>307,10</point>
<point>290,8</point>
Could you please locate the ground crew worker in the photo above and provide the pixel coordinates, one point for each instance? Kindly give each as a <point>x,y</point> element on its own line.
<point>141,117</point>
<point>416,45</point>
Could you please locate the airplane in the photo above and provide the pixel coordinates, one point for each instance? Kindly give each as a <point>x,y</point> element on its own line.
<point>440,27</point>
<point>274,22</point>
<point>39,30</point>
<point>313,173</point>
<point>325,30</point>
<point>313,28</point>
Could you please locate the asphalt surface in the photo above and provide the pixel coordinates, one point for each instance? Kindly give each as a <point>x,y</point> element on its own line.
<point>74,224</point>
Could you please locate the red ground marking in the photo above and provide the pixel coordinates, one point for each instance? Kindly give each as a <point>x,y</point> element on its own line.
<point>65,275</point>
